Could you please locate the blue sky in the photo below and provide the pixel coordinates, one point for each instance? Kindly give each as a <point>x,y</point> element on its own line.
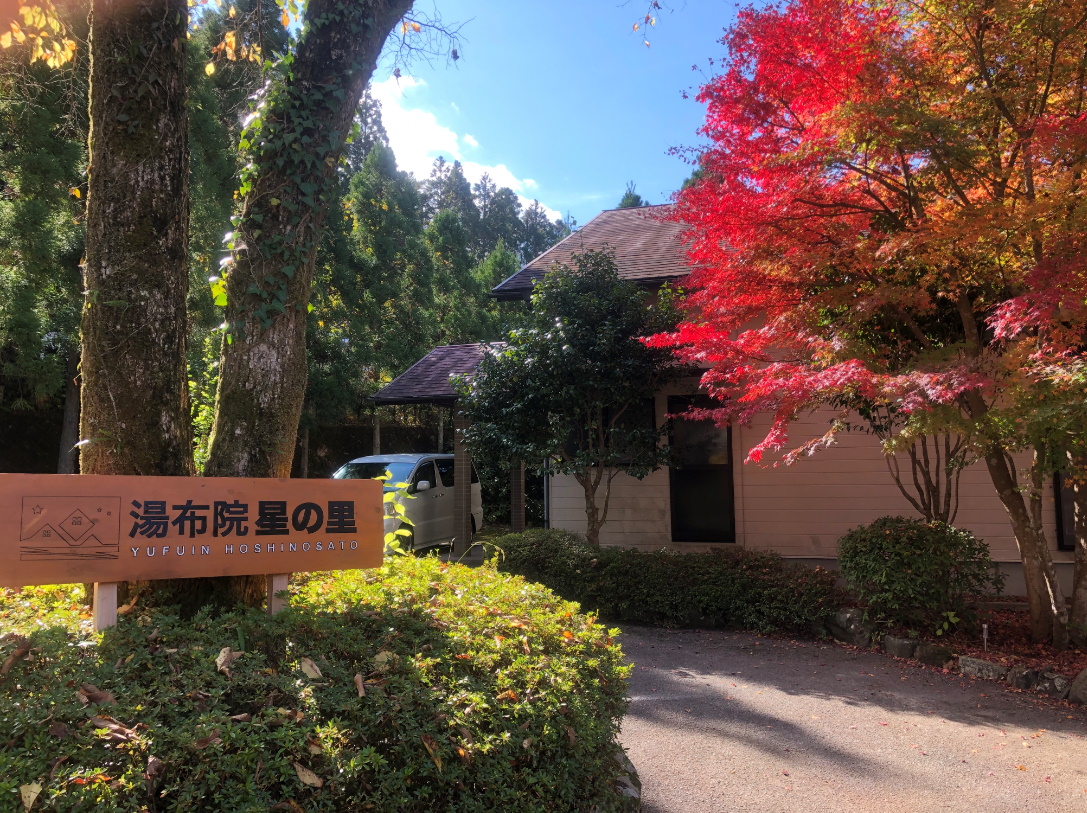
<point>562,101</point>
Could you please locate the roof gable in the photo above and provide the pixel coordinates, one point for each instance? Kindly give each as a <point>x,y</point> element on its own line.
<point>427,381</point>
<point>648,249</point>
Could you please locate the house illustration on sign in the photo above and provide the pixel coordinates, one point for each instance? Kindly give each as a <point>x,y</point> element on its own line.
<point>57,528</point>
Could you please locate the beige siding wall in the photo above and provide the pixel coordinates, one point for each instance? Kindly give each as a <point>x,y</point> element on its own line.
<point>638,515</point>
<point>797,511</point>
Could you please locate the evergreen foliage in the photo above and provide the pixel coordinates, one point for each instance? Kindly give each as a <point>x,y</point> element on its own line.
<point>419,687</point>
<point>917,574</point>
<point>402,265</point>
<point>572,388</point>
<point>731,587</point>
<point>631,199</point>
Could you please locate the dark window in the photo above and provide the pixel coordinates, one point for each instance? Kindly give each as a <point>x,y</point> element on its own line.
<point>1066,518</point>
<point>445,469</point>
<point>700,480</point>
<point>425,472</point>
<point>371,470</point>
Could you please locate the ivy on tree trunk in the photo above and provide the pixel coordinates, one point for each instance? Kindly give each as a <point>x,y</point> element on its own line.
<point>293,146</point>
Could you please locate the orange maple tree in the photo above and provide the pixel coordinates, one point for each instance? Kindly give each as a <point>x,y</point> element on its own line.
<point>890,211</point>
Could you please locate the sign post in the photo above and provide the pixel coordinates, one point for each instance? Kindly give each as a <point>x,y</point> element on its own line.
<point>60,528</point>
<point>277,583</point>
<point>105,605</point>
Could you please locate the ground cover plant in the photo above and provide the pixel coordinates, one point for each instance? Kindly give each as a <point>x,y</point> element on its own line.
<point>419,687</point>
<point>731,587</point>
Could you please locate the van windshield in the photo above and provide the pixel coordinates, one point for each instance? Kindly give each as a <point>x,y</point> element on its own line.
<point>372,469</point>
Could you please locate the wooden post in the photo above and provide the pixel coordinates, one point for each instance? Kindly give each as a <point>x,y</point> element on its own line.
<point>441,430</point>
<point>462,488</point>
<point>277,583</point>
<point>105,605</point>
<point>517,495</point>
<point>377,432</point>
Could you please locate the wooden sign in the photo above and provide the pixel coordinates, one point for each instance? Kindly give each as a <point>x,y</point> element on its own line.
<point>61,528</point>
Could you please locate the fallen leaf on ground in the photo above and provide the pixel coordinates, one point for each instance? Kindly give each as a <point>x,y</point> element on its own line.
<point>308,777</point>
<point>29,794</point>
<point>432,748</point>
<point>155,766</point>
<point>225,658</point>
<point>21,651</point>
<point>89,693</point>
<point>310,669</point>
<point>212,739</point>
<point>116,731</point>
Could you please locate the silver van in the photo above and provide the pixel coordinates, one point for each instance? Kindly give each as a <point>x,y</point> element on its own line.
<point>430,482</point>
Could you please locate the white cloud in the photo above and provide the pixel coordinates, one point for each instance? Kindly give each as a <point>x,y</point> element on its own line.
<point>417,138</point>
<point>415,135</point>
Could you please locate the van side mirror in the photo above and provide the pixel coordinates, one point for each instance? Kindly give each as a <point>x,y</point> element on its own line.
<point>422,485</point>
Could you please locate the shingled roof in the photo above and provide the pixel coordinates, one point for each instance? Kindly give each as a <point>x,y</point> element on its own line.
<point>427,380</point>
<point>648,250</point>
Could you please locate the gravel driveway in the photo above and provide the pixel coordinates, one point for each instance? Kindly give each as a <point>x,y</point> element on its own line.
<point>721,721</point>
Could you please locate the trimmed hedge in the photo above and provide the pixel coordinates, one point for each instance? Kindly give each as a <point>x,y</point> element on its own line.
<point>730,587</point>
<point>917,574</point>
<point>481,692</point>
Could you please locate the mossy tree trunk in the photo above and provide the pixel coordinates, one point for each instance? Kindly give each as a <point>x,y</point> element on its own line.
<point>135,405</point>
<point>293,149</point>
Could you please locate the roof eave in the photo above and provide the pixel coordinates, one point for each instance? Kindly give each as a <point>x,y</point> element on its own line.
<point>407,400</point>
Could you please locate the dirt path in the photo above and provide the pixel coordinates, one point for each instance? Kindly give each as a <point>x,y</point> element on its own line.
<point>729,722</point>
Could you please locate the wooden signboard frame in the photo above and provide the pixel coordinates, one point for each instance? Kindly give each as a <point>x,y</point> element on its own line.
<point>61,528</point>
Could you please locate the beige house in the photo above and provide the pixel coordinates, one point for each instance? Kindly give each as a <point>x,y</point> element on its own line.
<point>712,498</point>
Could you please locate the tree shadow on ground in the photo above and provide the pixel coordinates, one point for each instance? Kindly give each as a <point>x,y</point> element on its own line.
<point>855,677</point>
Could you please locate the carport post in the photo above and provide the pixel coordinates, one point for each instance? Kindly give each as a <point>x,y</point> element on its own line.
<point>517,495</point>
<point>462,488</point>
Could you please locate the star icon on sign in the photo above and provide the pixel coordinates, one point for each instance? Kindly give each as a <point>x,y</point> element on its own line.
<point>38,509</point>
<point>99,510</point>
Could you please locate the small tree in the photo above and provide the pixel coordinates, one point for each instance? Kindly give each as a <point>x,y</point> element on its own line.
<point>565,393</point>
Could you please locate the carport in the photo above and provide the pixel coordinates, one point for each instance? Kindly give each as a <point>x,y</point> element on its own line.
<point>428,382</point>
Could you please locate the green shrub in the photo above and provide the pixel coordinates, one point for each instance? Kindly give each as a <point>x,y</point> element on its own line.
<point>481,693</point>
<point>915,574</point>
<point>731,587</point>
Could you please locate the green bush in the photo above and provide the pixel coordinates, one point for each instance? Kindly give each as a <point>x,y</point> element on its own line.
<point>480,693</point>
<point>730,587</point>
<point>917,574</point>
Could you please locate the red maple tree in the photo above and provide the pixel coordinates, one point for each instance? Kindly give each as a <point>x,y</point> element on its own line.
<point>890,211</point>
